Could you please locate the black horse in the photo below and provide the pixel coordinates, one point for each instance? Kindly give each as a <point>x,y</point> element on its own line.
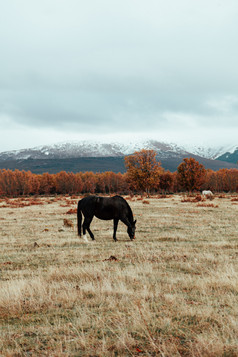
<point>105,208</point>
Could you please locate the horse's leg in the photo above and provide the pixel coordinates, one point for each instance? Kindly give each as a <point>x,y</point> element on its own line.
<point>84,231</point>
<point>86,224</point>
<point>115,224</point>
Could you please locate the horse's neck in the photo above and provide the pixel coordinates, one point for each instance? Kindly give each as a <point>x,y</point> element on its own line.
<point>130,216</point>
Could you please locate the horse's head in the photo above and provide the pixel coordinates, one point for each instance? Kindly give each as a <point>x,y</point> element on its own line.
<point>131,230</point>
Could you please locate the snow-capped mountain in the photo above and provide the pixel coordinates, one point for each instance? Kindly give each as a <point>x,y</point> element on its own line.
<point>211,152</point>
<point>230,156</point>
<point>109,156</point>
<point>92,149</point>
<point>117,149</point>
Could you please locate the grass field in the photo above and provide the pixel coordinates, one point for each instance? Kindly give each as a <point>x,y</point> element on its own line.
<point>171,292</point>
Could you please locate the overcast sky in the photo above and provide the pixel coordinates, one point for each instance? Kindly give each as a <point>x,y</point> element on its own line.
<point>118,69</point>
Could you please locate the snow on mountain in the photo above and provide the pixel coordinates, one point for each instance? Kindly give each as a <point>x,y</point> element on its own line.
<point>210,152</point>
<point>113,149</point>
<point>230,156</point>
<point>91,149</point>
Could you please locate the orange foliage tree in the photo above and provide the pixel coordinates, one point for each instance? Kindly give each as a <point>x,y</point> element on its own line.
<point>190,174</point>
<point>228,179</point>
<point>167,182</point>
<point>47,184</point>
<point>144,174</point>
<point>68,183</point>
<point>223,180</point>
<point>18,183</point>
<point>143,171</point>
<point>89,182</point>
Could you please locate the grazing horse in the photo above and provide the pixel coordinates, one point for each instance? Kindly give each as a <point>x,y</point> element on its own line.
<point>207,194</point>
<point>105,208</point>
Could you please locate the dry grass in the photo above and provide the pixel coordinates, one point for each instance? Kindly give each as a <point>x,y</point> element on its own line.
<point>171,292</point>
<point>192,198</point>
<point>207,205</point>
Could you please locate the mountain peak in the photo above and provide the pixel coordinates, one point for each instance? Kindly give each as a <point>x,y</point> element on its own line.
<point>91,148</point>
<point>87,148</point>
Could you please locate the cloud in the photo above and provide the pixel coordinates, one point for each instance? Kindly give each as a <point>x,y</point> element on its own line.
<point>226,105</point>
<point>134,66</point>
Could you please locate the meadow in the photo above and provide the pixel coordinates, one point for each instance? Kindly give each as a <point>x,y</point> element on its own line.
<point>173,291</point>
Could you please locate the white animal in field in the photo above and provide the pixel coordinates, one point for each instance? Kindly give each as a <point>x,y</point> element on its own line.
<point>207,194</point>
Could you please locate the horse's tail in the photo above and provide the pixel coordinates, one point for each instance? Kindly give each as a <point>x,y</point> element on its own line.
<point>79,219</point>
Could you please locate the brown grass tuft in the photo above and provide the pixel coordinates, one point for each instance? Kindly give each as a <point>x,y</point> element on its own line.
<point>68,223</point>
<point>72,211</point>
<point>163,196</point>
<point>189,198</point>
<point>207,205</point>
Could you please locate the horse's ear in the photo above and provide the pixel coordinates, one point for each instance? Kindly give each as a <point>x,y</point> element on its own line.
<point>135,222</point>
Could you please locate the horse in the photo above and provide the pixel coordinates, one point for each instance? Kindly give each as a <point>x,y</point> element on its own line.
<point>207,194</point>
<point>105,208</point>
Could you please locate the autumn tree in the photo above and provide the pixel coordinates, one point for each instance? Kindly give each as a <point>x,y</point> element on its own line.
<point>89,182</point>
<point>120,183</point>
<point>190,174</point>
<point>78,183</point>
<point>100,183</point>
<point>166,182</point>
<point>143,170</point>
<point>62,184</point>
<point>47,184</point>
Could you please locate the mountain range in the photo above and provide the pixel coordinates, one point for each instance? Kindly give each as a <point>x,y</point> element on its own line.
<point>100,156</point>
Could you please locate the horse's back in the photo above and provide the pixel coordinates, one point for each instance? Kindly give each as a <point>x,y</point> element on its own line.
<point>117,202</point>
<point>207,193</point>
<point>108,207</point>
<point>104,207</point>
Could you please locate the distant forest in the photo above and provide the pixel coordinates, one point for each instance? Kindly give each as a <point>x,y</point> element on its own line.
<point>19,183</point>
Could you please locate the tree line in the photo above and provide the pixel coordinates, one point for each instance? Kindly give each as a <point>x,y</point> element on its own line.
<point>144,175</point>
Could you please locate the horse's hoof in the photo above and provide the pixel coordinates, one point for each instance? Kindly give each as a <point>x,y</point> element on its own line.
<point>85,238</point>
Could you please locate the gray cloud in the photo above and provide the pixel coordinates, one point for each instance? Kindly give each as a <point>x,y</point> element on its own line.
<point>127,66</point>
